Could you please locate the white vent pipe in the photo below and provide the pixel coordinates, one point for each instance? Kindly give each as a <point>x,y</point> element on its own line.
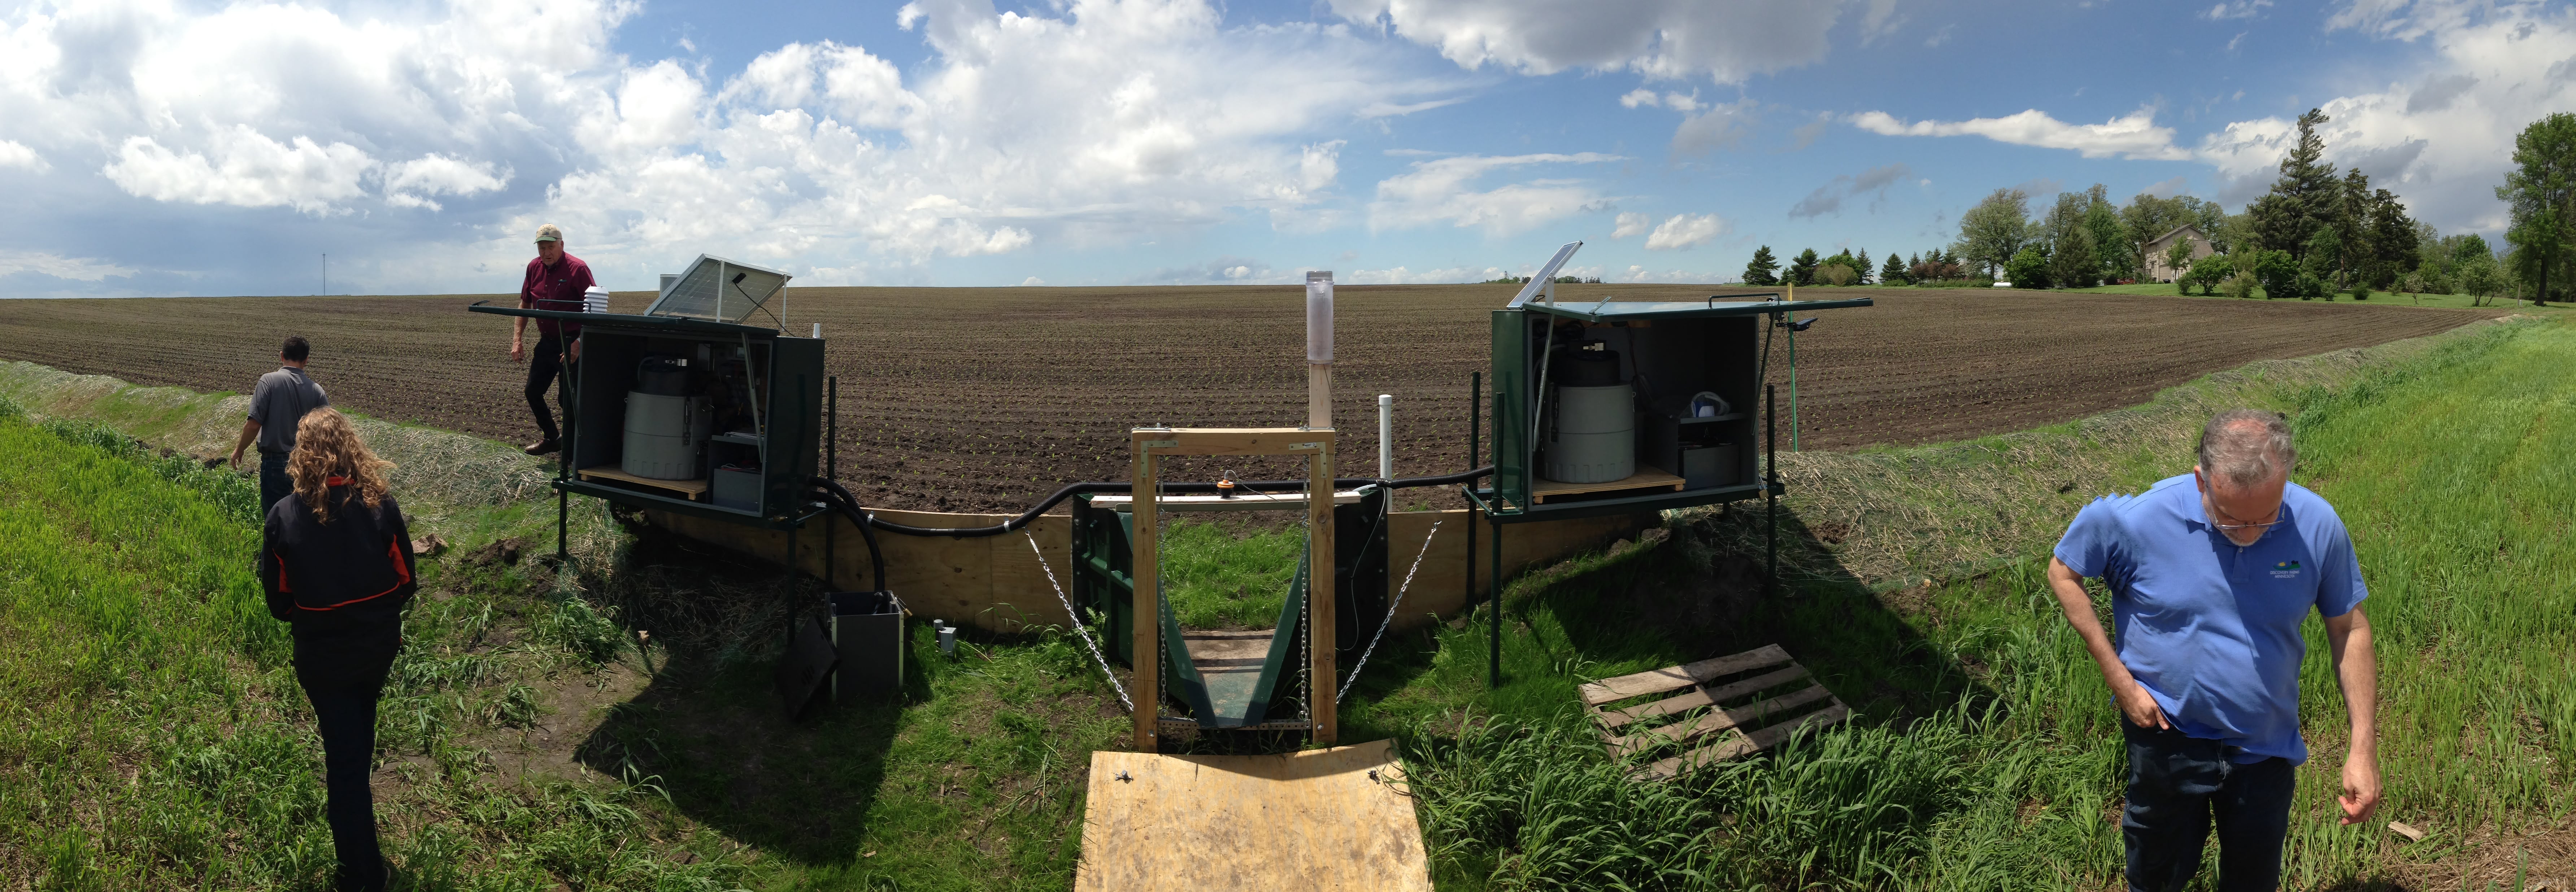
<point>1386,436</point>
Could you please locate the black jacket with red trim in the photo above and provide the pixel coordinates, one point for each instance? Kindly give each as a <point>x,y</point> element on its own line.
<point>355,571</point>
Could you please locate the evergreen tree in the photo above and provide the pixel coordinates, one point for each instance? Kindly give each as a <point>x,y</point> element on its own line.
<point>2304,199</point>
<point>1764,270</point>
<point>1802,270</point>
<point>2113,248</point>
<point>2072,262</point>
<point>1862,268</point>
<point>1895,271</point>
<point>2395,247</point>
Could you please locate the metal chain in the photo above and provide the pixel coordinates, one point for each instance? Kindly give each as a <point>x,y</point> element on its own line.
<point>1077,624</point>
<point>1353,679</point>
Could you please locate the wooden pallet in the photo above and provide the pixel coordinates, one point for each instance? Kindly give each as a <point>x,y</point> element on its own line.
<point>1701,693</point>
<point>693,490</point>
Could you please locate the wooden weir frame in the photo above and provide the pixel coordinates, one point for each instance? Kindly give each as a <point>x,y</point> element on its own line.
<point>1316,445</point>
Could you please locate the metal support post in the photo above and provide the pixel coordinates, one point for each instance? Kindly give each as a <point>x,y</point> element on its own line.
<point>832,472</point>
<point>1793,381</point>
<point>1771,480</point>
<point>1475,426</point>
<point>1494,635</point>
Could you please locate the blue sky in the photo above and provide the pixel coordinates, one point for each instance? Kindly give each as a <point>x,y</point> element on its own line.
<point>194,148</point>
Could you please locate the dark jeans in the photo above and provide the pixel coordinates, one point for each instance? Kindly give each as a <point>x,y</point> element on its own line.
<point>342,673</point>
<point>545,363</point>
<point>273,482</point>
<point>2176,783</point>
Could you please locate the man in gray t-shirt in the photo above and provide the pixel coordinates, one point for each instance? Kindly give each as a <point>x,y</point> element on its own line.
<point>277,405</point>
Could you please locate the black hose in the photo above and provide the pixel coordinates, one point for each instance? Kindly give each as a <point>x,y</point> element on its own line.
<point>1117,486</point>
<point>839,499</point>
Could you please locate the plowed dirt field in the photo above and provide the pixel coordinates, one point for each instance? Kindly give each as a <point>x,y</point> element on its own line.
<point>967,399</point>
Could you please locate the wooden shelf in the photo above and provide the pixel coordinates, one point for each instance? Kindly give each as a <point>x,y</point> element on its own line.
<point>694,490</point>
<point>1646,478</point>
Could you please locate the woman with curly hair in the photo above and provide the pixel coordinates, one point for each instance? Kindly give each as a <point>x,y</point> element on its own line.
<point>336,559</point>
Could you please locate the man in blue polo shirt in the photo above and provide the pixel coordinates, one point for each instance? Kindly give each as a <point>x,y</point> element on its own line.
<point>2211,575</point>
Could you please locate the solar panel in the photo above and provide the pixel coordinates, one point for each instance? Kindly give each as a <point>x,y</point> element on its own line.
<point>720,290</point>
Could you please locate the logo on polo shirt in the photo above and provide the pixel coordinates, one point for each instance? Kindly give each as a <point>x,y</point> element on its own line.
<point>2285,570</point>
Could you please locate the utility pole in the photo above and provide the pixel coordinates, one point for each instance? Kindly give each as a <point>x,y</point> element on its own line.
<point>326,274</point>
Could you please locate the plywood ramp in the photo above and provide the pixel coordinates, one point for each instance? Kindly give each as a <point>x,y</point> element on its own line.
<point>1313,820</point>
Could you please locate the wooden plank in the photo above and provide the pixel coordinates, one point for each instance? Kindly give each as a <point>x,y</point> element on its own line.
<point>1645,478</point>
<point>1716,720</point>
<point>1660,680</point>
<point>694,489</point>
<point>1323,587</point>
<point>1231,440</point>
<point>996,583</point>
<point>1245,502</point>
<point>1310,820</point>
<point>1751,743</point>
<point>1698,697</point>
<point>1147,632</point>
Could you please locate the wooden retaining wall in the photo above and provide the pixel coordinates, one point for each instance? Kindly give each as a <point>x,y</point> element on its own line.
<point>996,582</point>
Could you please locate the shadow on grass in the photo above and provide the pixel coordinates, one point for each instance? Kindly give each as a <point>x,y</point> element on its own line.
<point>733,761</point>
<point>712,727</point>
<point>1671,596</point>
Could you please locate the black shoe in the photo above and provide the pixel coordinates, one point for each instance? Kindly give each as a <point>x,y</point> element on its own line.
<point>542,447</point>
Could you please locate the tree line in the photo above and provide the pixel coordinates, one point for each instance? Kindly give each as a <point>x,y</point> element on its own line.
<point>2315,234</point>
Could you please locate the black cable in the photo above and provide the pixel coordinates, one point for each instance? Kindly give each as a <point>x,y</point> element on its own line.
<point>839,499</point>
<point>1120,486</point>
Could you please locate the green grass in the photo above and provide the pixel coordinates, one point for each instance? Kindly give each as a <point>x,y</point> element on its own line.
<point>2449,469</point>
<point>2403,299</point>
<point>151,737</point>
<point>1228,576</point>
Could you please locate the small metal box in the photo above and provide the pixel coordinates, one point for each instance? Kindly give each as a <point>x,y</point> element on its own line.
<point>868,630</point>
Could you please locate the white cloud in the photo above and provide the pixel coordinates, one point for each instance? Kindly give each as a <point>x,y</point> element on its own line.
<point>2169,188</point>
<point>1722,126</point>
<point>1672,39</point>
<point>58,266</point>
<point>2440,137</point>
<point>408,184</point>
<point>16,154</point>
<point>2134,135</point>
<point>1640,96</point>
<point>1828,198</point>
<point>1686,230</point>
<point>1439,191</point>
<point>1879,21</point>
<point>246,169</point>
<point>1086,122</point>
<point>1641,274</point>
<point>2234,9</point>
<point>1630,223</point>
<point>1406,276</point>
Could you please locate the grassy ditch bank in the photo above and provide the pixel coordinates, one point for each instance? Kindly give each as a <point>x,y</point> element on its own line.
<point>1987,756</point>
<point>153,739</point>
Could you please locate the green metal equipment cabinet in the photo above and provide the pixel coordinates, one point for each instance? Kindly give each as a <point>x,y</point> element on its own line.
<point>1687,376</point>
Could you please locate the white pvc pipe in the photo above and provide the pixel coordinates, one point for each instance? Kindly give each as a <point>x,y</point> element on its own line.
<point>1386,436</point>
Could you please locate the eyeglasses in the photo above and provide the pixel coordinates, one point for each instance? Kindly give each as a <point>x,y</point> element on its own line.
<point>2235,527</point>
